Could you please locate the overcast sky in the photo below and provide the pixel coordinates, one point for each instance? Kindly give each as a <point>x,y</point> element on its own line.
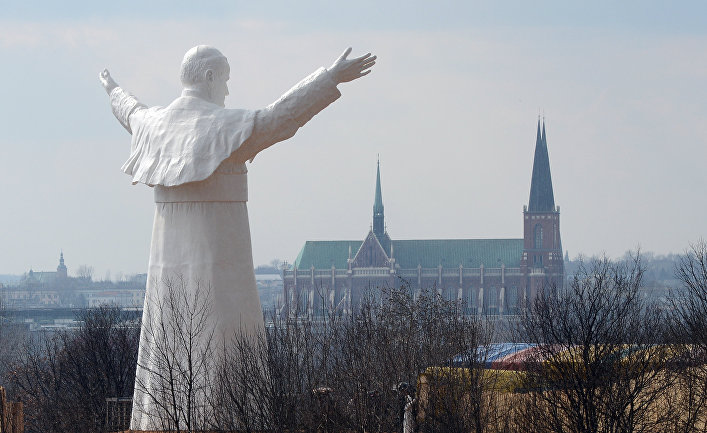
<point>451,107</point>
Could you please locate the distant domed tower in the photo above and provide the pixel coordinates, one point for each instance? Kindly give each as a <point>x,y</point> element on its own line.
<point>61,269</point>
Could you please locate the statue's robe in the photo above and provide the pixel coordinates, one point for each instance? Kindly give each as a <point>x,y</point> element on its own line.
<point>193,153</point>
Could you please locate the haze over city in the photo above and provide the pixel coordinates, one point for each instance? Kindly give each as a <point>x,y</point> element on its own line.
<point>451,108</point>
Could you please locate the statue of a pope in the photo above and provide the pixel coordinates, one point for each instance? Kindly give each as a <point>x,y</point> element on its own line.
<point>193,152</point>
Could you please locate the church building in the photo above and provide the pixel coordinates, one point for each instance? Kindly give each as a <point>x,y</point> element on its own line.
<point>493,277</point>
<point>50,278</point>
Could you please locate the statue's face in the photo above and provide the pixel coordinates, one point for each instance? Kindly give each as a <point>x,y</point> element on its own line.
<point>219,87</point>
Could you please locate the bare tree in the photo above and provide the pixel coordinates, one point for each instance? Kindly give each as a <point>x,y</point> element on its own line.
<point>85,272</point>
<point>691,303</point>
<point>596,367</point>
<point>176,367</point>
<point>351,373</point>
<point>453,397</point>
<point>12,339</point>
<point>38,381</point>
<point>243,396</point>
<point>689,327</point>
<point>64,378</point>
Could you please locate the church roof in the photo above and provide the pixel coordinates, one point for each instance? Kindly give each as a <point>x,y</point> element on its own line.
<point>324,254</point>
<point>471,253</point>
<point>41,276</point>
<point>429,253</point>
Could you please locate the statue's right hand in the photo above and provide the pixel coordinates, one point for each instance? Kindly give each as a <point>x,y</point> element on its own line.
<point>108,82</point>
<point>344,70</point>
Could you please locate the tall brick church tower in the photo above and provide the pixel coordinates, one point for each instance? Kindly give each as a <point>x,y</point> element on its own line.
<point>542,263</point>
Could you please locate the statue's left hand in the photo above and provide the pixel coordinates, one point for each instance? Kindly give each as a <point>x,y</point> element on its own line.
<point>108,82</point>
<point>344,70</point>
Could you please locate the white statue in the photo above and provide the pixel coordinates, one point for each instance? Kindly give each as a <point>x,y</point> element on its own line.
<point>193,153</point>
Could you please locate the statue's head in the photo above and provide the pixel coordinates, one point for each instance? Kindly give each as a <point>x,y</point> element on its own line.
<point>205,70</point>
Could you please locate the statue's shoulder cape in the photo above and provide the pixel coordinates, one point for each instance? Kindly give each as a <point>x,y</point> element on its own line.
<point>185,141</point>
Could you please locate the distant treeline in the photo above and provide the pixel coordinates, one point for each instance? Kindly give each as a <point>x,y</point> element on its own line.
<point>658,268</point>
<point>266,270</point>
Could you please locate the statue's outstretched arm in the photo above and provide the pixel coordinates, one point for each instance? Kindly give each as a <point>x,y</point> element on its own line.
<point>123,104</point>
<point>281,119</point>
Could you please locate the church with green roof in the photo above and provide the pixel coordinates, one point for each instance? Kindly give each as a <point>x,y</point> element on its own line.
<point>493,277</point>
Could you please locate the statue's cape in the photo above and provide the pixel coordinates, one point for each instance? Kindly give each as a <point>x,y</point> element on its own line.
<point>185,141</point>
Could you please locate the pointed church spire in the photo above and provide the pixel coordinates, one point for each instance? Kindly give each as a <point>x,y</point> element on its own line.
<point>378,217</point>
<point>542,198</point>
<point>539,138</point>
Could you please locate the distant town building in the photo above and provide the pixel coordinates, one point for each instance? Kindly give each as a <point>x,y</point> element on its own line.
<point>49,289</point>
<point>487,276</point>
<point>47,278</point>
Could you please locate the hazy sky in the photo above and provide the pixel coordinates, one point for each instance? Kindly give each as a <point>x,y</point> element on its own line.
<point>451,108</point>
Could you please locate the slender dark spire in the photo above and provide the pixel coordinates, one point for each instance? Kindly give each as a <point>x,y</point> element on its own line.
<point>378,217</point>
<point>542,198</point>
<point>539,138</point>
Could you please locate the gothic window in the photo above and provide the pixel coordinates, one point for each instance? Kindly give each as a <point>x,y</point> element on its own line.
<point>303,299</point>
<point>538,261</point>
<point>554,235</point>
<point>492,301</point>
<point>512,299</point>
<point>538,236</point>
<point>469,300</point>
